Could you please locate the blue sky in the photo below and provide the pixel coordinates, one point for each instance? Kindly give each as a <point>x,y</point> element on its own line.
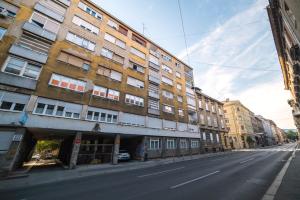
<point>230,46</point>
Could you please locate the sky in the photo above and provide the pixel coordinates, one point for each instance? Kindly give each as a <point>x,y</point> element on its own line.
<point>230,47</point>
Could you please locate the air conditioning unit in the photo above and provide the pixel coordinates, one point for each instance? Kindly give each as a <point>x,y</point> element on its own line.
<point>3,13</point>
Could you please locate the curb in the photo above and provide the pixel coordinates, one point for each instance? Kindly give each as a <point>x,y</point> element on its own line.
<point>272,190</point>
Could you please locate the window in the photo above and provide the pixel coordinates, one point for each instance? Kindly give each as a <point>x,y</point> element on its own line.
<point>208,120</point>
<point>101,117</point>
<point>180,99</point>
<point>179,86</point>
<point>215,122</point>
<point>222,123</point>
<point>178,74</point>
<point>153,104</point>
<point>106,93</point>
<point>202,120</point>
<point>138,39</point>
<point>178,65</point>
<point>218,138</point>
<point>135,82</point>
<point>213,108</point>
<point>74,60</point>
<point>123,30</point>
<point>100,91</point>
<point>138,53</point>
<point>55,110</point>
<point>11,9</point>
<point>166,69</point>
<point>109,73</point>
<point>90,11</point>
<point>134,100</point>
<point>242,127</point>
<point>44,22</point>
<point>86,25</point>
<point>11,106</point>
<point>167,94</point>
<point>204,136</point>
<point>167,80</point>
<point>220,110</point>
<point>153,90</point>
<point>154,60</point>
<point>189,90</point>
<point>81,41</point>
<point>191,100</point>
<point>2,32</point>
<point>136,67</point>
<point>180,112</point>
<point>115,40</point>
<point>194,144</point>
<point>206,106</point>
<point>68,83</point>
<point>166,58</point>
<point>211,137</point>
<point>22,67</point>
<point>113,95</point>
<point>183,144</point>
<point>113,24</point>
<point>168,109</point>
<point>200,103</point>
<point>171,144</point>
<point>154,144</point>
<point>111,55</point>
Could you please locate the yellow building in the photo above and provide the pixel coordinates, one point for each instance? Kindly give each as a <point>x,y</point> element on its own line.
<point>238,120</point>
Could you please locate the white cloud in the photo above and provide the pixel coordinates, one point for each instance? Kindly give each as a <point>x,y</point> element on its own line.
<point>244,41</point>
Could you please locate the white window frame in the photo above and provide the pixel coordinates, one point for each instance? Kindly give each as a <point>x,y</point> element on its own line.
<point>2,32</point>
<point>183,144</point>
<point>22,71</point>
<point>194,144</point>
<point>85,25</point>
<point>167,94</point>
<point>138,53</point>
<point>80,41</point>
<point>84,8</point>
<point>167,111</point>
<point>134,100</point>
<point>70,80</point>
<point>135,82</point>
<point>154,144</point>
<point>47,21</point>
<point>56,105</point>
<point>166,68</point>
<point>167,81</point>
<point>171,144</point>
<point>112,39</point>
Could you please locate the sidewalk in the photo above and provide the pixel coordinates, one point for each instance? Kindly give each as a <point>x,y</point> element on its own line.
<point>56,175</point>
<point>290,186</point>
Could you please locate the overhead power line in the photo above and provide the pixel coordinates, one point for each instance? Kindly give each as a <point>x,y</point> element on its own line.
<point>184,35</point>
<point>237,67</point>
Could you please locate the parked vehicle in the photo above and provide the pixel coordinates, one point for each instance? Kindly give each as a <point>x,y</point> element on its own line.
<point>36,157</point>
<point>123,155</point>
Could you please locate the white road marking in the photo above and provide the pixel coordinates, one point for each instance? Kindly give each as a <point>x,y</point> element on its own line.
<point>193,180</point>
<point>161,172</point>
<point>244,161</point>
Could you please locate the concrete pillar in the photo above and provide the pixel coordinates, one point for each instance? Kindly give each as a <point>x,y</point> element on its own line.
<point>31,103</point>
<point>116,149</point>
<point>163,147</point>
<point>75,150</point>
<point>178,148</point>
<point>144,150</point>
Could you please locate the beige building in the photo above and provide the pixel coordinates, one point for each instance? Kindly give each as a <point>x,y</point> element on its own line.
<point>238,120</point>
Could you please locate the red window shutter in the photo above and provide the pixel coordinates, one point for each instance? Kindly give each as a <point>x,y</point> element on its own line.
<point>54,82</point>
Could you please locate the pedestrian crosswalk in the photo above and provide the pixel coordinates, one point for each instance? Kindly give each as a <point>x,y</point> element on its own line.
<point>288,147</point>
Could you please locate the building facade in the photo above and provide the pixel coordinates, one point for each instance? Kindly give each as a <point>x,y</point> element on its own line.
<point>214,133</point>
<point>284,16</point>
<point>72,72</point>
<point>238,120</point>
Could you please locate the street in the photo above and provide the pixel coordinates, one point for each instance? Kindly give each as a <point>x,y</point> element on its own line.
<point>239,175</point>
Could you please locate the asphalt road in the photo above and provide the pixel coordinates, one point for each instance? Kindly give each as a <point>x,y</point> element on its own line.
<point>240,176</point>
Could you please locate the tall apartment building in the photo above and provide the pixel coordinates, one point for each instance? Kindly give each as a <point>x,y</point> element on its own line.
<point>214,133</point>
<point>284,16</point>
<point>238,120</point>
<point>72,72</point>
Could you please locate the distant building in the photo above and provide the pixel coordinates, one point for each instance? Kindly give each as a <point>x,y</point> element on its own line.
<point>284,16</point>
<point>238,119</point>
<point>214,133</point>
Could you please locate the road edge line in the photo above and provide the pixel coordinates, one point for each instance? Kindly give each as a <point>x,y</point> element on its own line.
<point>272,190</point>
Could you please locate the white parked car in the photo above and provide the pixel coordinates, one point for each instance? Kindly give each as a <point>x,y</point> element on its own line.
<point>123,155</point>
<point>36,157</point>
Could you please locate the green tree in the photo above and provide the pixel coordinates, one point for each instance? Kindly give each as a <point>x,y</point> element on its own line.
<point>44,145</point>
<point>292,135</point>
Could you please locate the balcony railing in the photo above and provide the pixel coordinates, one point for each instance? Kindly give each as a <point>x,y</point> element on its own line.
<point>154,66</point>
<point>154,79</point>
<point>39,31</point>
<point>153,95</point>
<point>153,111</point>
<point>28,53</point>
<point>39,7</point>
